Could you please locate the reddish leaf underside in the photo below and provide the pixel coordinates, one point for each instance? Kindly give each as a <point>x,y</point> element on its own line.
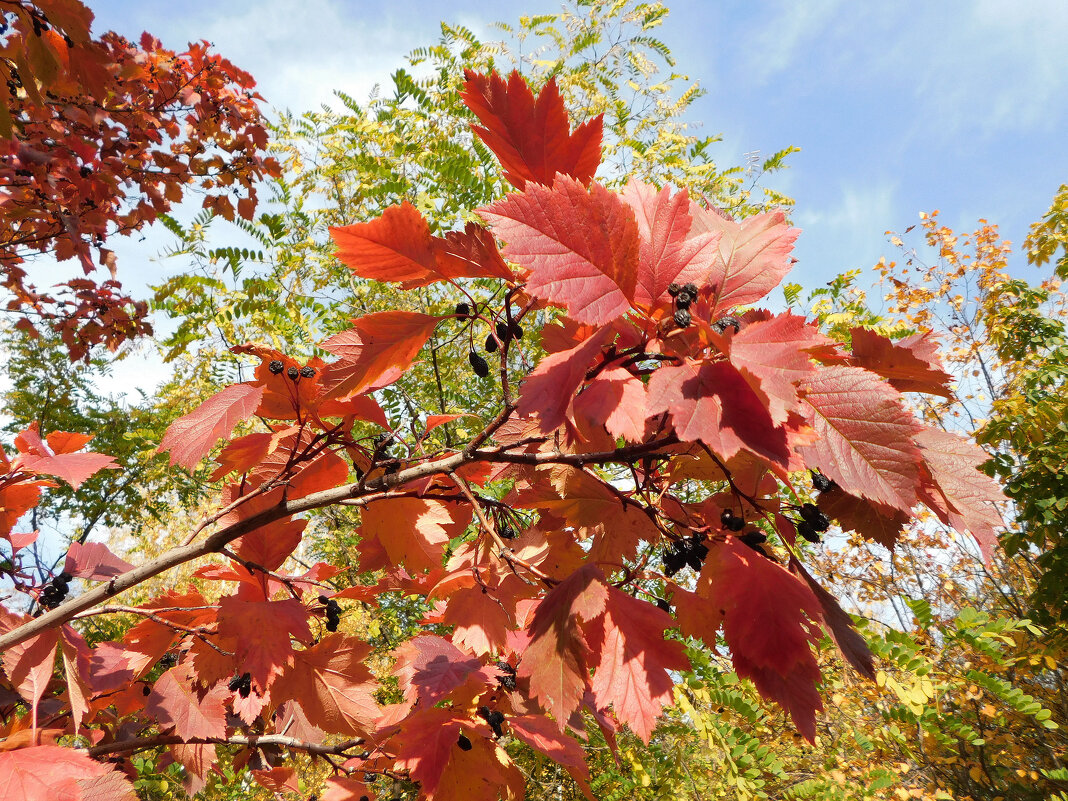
<point>911,364</point>
<point>189,438</point>
<point>580,246</point>
<point>396,246</point>
<point>174,701</point>
<point>332,685</point>
<point>864,435</point>
<point>93,561</point>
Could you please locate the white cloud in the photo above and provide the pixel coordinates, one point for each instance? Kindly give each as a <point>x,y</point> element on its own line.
<point>784,35</point>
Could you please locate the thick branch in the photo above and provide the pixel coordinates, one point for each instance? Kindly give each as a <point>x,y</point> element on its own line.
<point>352,494</point>
<point>142,743</point>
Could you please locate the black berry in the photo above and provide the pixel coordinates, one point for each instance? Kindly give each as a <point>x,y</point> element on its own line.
<point>691,288</point>
<point>463,310</point>
<point>491,343</point>
<point>724,323</point>
<point>146,690</point>
<point>682,318</point>
<point>307,372</point>
<point>506,533</point>
<point>293,373</point>
<point>478,364</point>
<point>515,330</point>
<point>504,331</point>
<point>815,518</point>
<point>662,603</point>
<point>684,299</point>
<point>820,482</point>
<point>674,289</point>
<point>464,743</point>
<point>276,367</point>
<point>806,531</point>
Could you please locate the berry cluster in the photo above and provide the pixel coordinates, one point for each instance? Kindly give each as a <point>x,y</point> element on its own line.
<point>504,331</point>
<point>684,296</point>
<point>56,590</point>
<point>507,677</point>
<point>293,373</point>
<point>813,522</point>
<point>242,685</point>
<point>494,718</point>
<point>689,551</point>
<point>333,612</point>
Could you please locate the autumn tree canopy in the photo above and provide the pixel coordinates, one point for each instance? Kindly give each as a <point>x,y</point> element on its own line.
<point>634,493</point>
<point>98,137</point>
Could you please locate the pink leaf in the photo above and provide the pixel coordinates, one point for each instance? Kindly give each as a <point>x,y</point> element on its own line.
<point>189,438</point>
<point>94,561</point>
<point>174,701</point>
<point>580,246</point>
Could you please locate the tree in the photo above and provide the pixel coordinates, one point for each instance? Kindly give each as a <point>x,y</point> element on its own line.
<point>631,497</point>
<point>99,137</point>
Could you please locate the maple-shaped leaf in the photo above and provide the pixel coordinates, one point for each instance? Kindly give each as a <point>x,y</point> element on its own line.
<point>531,138</point>
<point>864,435</point>
<point>580,246</point>
<point>93,561</point>
<point>557,659</point>
<point>911,364</point>
<point>332,685</point>
<point>430,667</point>
<point>669,251</point>
<point>962,496</point>
<point>548,389</point>
<point>711,402</point>
<point>269,546</point>
<point>633,674</point>
<point>542,735</point>
<point>616,400</point>
<point>174,701</point>
<point>261,631</point>
<point>470,253</point>
<point>839,625</point>
<point>413,531</point>
<point>428,747</point>
<point>754,256</point>
<point>244,453</point>
<point>51,773</point>
<point>277,780</point>
<point>770,622</point>
<point>54,456</point>
<point>378,344</point>
<point>873,521</point>
<point>774,353</point>
<point>395,247</point>
<point>482,623</point>
<point>189,438</point>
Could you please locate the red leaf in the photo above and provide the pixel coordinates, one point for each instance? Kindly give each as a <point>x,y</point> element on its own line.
<point>556,660</point>
<point>94,561</point>
<point>712,402</point>
<point>616,400</point>
<point>839,626</point>
<point>29,664</point>
<point>377,344</point>
<point>874,521</point>
<point>548,389</point>
<point>962,496</point>
<point>51,773</point>
<point>580,246</point>
<point>774,353</point>
<point>864,435</point>
<point>395,247</point>
<point>332,685</point>
<point>481,622</point>
<point>345,788</point>
<point>429,668</point>
<point>633,674</point>
<point>911,364</point>
<point>77,658</point>
<point>413,531</point>
<point>15,500</point>
<point>174,701</point>
<point>277,780</point>
<point>754,255</point>
<point>471,253</point>
<point>541,735</point>
<point>770,620</point>
<point>670,251</point>
<point>74,468</point>
<point>262,631</point>
<point>189,438</point>
<point>67,442</point>
<point>269,546</point>
<point>531,138</point>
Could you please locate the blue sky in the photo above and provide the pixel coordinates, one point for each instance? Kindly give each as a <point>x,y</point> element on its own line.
<point>897,107</point>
